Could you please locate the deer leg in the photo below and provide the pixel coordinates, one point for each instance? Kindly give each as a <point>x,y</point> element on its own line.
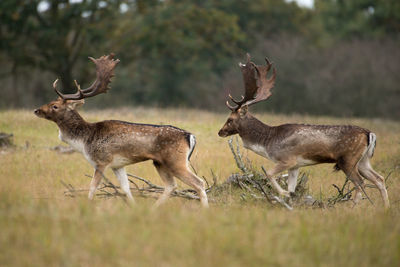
<point>358,182</point>
<point>94,183</point>
<point>124,182</point>
<point>292,179</point>
<point>357,194</point>
<point>280,167</point>
<point>169,182</point>
<point>354,175</point>
<point>189,178</point>
<point>371,175</point>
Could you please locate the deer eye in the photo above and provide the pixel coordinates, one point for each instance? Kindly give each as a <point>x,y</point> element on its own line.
<point>55,107</point>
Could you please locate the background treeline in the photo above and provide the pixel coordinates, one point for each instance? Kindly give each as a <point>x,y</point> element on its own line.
<point>339,58</point>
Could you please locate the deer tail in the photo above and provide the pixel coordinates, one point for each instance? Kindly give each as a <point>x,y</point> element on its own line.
<point>192,143</point>
<point>371,144</point>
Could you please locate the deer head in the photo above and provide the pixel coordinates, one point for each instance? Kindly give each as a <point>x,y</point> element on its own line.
<point>67,103</point>
<point>257,88</point>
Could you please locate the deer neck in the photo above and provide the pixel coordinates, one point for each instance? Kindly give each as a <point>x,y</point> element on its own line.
<point>73,128</point>
<point>253,131</point>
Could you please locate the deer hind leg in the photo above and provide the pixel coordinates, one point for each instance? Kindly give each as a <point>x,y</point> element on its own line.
<point>94,183</point>
<point>350,168</point>
<point>358,181</point>
<point>124,182</point>
<point>371,175</point>
<point>169,182</point>
<point>185,175</point>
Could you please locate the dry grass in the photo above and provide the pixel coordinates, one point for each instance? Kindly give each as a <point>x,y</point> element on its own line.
<point>41,227</point>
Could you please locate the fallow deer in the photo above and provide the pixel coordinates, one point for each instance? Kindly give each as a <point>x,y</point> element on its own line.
<point>292,146</point>
<point>115,144</point>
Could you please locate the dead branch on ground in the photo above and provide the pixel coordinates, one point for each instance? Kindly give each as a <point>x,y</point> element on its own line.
<point>253,182</point>
<point>141,187</point>
<point>63,149</point>
<point>6,140</point>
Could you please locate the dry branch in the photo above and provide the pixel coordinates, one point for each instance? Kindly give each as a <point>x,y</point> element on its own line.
<point>147,189</point>
<point>6,140</point>
<point>345,192</point>
<point>252,181</point>
<point>63,149</point>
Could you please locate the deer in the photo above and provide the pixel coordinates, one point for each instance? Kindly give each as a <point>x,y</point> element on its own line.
<point>115,144</point>
<point>292,146</point>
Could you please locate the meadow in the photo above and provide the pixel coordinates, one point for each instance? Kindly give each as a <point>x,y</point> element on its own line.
<point>40,226</point>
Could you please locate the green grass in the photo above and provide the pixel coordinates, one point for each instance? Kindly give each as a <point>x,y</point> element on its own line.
<point>39,226</point>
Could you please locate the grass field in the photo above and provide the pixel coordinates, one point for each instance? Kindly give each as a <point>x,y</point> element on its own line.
<point>39,226</point>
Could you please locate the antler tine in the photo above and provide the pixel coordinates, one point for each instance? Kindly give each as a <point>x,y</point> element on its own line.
<point>230,107</point>
<point>55,84</point>
<point>78,87</point>
<point>273,76</point>
<point>269,64</point>
<point>55,88</point>
<point>248,57</point>
<point>236,101</point>
<point>104,72</point>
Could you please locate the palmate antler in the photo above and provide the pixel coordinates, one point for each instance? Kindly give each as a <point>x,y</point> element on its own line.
<point>257,86</point>
<point>104,72</point>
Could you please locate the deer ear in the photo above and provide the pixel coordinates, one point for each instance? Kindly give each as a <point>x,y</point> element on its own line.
<point>243,111</point>
<point>73,104</point>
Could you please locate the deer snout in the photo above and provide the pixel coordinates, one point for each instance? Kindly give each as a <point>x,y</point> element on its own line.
<point>222,133</point>
<point>38,112</point>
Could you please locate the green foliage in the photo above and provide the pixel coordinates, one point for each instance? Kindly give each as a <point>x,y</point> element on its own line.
<point>175,49</point>
<point>359,18</point>
<point>338,58</point>
<point>262,19</point>
<point>56,38</point>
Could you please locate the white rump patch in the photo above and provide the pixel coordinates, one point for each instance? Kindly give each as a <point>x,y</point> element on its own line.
<point>192,144</point>
<point>372,144</point>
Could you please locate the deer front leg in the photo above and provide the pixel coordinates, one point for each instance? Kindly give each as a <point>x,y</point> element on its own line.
<point>292,179</point>
<point>280,167</point>
<point>124,182</point>
<point>94,183</point>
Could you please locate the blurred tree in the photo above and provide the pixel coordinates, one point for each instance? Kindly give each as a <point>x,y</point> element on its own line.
<point>54,35</point>
<point>336,58</point>
<point>264,19</point>
<point>175,46</point>
<point>358,18</point>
